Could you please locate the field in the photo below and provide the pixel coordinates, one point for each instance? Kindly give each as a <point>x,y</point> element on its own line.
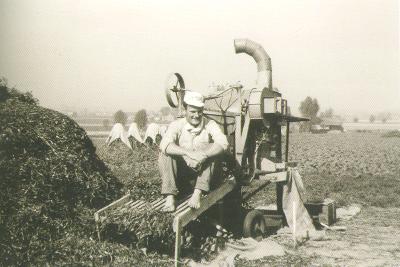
<point>53,181</point>
<point>364,125</point>
<point>351,167</point>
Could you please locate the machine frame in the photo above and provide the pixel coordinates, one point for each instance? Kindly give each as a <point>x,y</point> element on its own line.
<point>256,140</point>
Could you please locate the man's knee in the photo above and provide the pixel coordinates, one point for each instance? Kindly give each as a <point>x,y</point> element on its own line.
<point>166,164</point>
<point>167,167</point>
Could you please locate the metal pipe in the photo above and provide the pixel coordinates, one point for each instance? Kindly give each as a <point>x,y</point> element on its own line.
<point>257,52</point>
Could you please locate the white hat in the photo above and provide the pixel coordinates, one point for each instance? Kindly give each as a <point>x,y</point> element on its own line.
<point>194,99</point>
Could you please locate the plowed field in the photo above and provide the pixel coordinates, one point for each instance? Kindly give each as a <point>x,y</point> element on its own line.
<point>351,167</point>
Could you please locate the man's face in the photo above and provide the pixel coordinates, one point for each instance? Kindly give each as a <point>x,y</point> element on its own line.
<point>194,115</point>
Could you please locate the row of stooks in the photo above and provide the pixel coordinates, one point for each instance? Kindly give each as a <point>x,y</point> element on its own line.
<point>133,138</point>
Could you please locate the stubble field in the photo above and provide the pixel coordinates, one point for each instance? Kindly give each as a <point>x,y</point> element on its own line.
<point>353,168</point>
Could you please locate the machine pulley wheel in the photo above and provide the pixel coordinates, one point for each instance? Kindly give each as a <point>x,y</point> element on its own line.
<point>174,89</point>
<point>254,224</point>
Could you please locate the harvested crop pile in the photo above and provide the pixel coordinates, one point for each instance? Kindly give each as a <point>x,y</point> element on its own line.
<point>146,228</point>
<point>51,181</point>
<point>136,169</point>
<point>73,251</point>
<point>152,230</point>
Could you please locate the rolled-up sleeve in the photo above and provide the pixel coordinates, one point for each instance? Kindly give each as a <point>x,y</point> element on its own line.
<point>217,135</point>
<point>170,136</point>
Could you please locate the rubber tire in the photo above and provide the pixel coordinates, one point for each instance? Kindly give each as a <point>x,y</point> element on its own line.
<point>254,224</point>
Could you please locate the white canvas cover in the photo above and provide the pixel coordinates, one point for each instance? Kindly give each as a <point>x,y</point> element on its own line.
<point>134,131</point>
<point>297,216</point>
<point>163,129</point>
<point>152,130</point>
<point>118,131</point>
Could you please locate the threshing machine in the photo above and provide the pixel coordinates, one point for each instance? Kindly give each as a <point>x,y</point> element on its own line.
<point>256,122</point>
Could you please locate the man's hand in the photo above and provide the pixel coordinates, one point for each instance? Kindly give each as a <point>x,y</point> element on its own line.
<point>198,156</point>
<point>192,163</point>
<point>196,159</point>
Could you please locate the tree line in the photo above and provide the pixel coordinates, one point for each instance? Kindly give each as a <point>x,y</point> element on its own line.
<point>141,117</point>
<point>310,107</point>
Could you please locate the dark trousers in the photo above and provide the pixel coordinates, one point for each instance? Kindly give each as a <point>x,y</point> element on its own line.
<point>179,179</point>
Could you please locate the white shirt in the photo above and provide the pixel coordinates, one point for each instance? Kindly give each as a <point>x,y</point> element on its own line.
<point>183,134</point>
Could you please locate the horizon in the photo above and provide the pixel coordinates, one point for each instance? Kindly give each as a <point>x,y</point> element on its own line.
<point>98,55</point>
<point>360,115</point>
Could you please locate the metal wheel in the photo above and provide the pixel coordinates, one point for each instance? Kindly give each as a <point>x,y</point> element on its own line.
<point>254,225</point>
<point>174,89</point>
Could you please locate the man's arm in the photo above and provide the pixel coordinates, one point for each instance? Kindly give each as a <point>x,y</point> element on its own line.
<point>197,156</point>
<point>170,137</point>
<point>168,144</point>
<point>175,150</point>
<point>214,150</point>
<point>220,141</point>
<point>218,147</point>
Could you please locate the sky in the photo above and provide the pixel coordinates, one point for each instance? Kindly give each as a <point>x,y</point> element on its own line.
<point>110,55</point>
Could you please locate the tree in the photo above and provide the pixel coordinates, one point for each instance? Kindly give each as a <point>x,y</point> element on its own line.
<point>165,111</point>
<point>120,117</point>
<point>384,116</point>
<point>174,112</point>
<point>309,108</point>
<point>371,119</point>
<point>355,120</point>
<point>141,118</point>
<point>327,113</point>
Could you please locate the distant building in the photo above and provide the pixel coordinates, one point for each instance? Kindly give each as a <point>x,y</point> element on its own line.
<point>318,129</point>
<point>333,123</point>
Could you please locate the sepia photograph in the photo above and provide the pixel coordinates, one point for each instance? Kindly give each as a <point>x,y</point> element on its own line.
<point>199,133</point>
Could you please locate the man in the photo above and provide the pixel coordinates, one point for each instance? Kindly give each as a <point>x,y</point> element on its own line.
<point>188,152</point>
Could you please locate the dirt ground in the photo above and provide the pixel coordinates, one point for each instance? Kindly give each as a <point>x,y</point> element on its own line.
<point>372,238</point>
